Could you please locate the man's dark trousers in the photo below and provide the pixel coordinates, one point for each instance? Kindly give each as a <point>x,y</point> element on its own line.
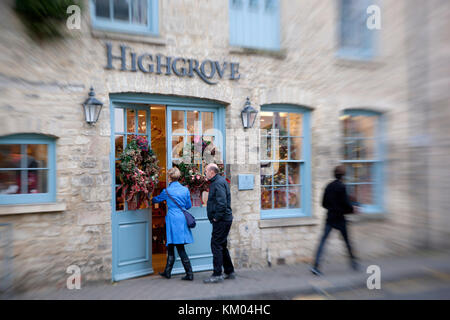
<point>342,227</point>
<point>221,256</point>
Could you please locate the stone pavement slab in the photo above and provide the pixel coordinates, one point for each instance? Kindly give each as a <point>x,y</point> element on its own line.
<point>278,282</point>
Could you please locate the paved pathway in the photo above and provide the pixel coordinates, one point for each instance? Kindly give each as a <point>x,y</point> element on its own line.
<point>279,282</point>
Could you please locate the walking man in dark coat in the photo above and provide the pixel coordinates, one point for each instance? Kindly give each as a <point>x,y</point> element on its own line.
<point>336,201</point>
<point>220,215</point>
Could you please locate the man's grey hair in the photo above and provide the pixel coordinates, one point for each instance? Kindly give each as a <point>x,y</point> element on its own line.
<point>213,167</point>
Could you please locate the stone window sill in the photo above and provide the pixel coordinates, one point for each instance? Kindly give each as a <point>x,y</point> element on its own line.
<point>363,217</point>
<point>278,54</point>
<point>31,208</point>
<point>100,34</point>
<point>369,64</point>
<point>288,222</point>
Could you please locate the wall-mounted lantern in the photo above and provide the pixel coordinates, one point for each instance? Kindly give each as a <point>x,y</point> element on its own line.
<point>248,115</point>
<point>92,108</point>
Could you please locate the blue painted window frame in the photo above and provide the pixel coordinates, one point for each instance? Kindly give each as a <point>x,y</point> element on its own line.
<point>50,196</point>
<point>377,162</point>
<point>348,28</point>
<point>108,24</point>
<point>305,168</point>
<point>252,27</point>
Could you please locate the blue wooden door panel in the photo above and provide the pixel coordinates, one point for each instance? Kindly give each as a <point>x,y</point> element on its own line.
<point>200,250</point>
<point>131,229</point>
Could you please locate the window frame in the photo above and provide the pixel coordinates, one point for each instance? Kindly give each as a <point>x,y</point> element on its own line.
<point>50,195</point>
<point>305,166</point>
<point>245,14</point>
<point>377,161</point>
<point>108,24</point>
<point>365,53</point>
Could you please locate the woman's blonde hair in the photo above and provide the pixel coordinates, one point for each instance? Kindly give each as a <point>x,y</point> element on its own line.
<point>174,174</point>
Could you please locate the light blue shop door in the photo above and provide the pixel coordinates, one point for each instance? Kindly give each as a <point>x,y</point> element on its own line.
<point>193,132</point>
<point>131,229</point>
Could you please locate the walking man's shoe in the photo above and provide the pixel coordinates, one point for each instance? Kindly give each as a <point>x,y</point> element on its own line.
<point>230,276</point>
<point>214,279</point>
<point>355,265</point>
<point>316,271</point>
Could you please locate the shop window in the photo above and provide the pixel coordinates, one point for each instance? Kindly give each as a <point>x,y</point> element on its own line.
<point>27,169</point>
<point>356,41</point>
<point>362,152</point>
<point>255,24</point>
<point>128,16</point>
<point>285,162</point>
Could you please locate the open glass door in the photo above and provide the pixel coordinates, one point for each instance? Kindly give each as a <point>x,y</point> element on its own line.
<point>194,138</point>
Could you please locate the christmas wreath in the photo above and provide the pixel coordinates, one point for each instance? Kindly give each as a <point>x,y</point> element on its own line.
<point>193,179</point>
<point>138,172</point>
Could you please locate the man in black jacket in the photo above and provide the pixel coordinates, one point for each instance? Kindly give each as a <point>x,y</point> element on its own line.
<point>336,201</point>
<point>220,215</point>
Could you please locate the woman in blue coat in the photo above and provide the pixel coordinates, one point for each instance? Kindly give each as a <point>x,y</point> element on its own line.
<point>177,231</point>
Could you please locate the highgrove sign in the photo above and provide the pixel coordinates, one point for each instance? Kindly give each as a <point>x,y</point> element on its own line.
<point>181,67</point>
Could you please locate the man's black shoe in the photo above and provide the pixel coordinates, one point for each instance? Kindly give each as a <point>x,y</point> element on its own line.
<point>230,276</point>
<point>316,271</point>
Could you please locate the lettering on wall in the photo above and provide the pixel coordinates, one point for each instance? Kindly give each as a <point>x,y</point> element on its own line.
<point>208,70</point>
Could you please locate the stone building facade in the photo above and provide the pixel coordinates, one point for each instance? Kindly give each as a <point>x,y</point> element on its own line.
<point>44,84</point>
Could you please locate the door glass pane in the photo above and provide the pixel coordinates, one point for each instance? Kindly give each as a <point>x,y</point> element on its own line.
<point>266,173</point>
<point>280,120</point>
<point>37,155</point>
<point>279,169</point>
<point>37,181</point>
<point>279,195</point>
<point>120,202</point>
<point>139,12</point>
<point>117,163</point>
<point>144,205</point>
<point>121,10</point>
<point>193,123</point>
<point>294,196</point>
<point>177,120</point>
<point>196,146</point>
<point>210,150</point>
<point>10,156</point>
<point>130,137</point>
<point>266,122</point>
<point>102,8</point>
<point>142,121</point>
<point>118,120</point>
<point>207,121</point>
<point>10,182</point>
<point>131,120</point>
<point>295,124</point>
<point>119,145</point>
<point>293,173</point>
<point>296,148</point>
<point>266,198</point>
<point>177,147</point>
